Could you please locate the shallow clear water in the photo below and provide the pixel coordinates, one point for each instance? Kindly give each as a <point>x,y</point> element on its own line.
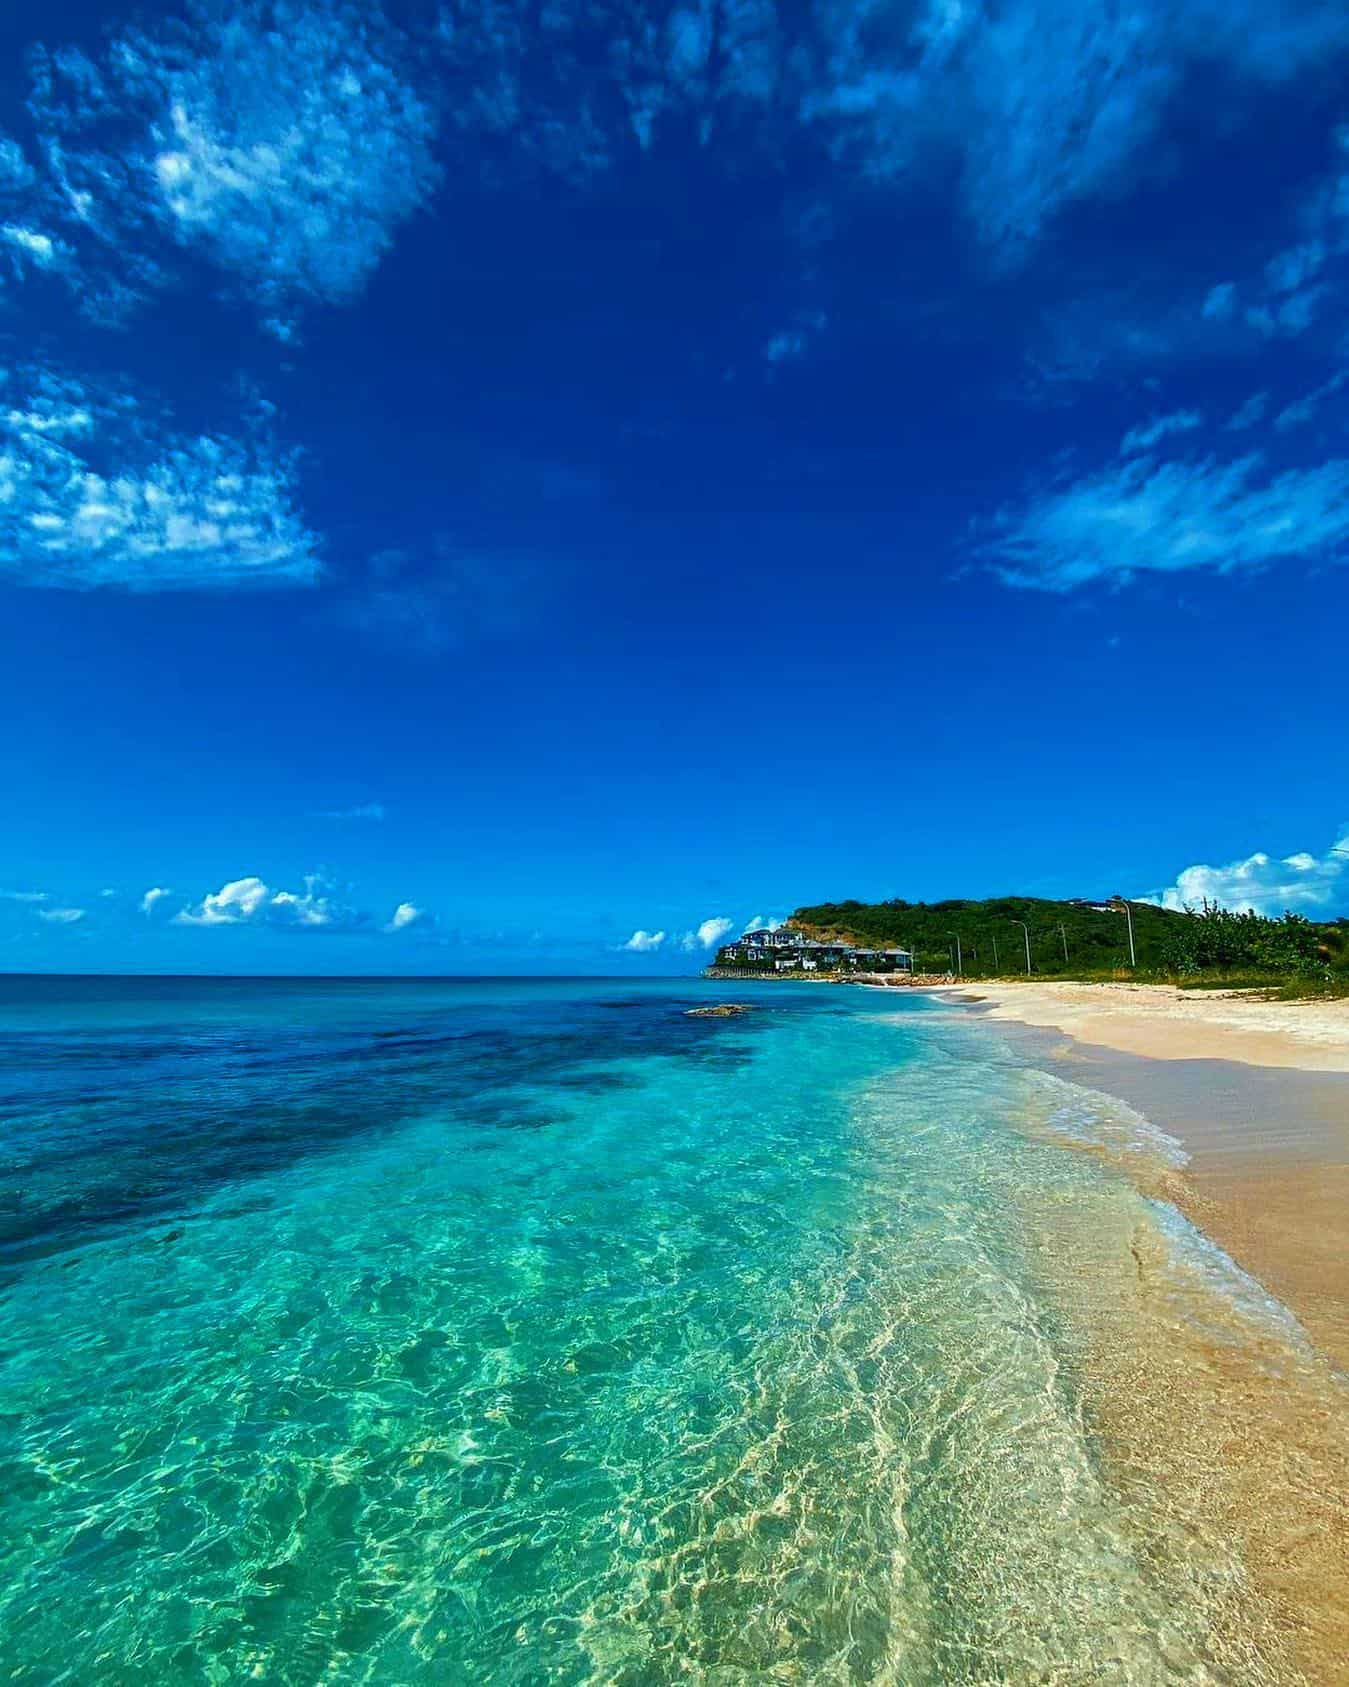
<point>525,1333</point>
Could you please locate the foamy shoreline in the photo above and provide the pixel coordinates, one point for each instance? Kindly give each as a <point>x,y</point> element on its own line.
<point>1259,1452</point>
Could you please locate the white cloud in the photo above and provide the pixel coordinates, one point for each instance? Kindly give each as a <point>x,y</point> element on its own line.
<point>1140,516</point>
<point>152,898</point>
<point>1148,434</point>
<point>32,244</point>
<point>708,934</point>
<point>1262,884</point>
<point>404,915</point>
<point>759,923</point>
<point>92,494</point>
<point>643,942</point>
<point>24,896</point>
<point>249,901</point>
<point>61,916</point>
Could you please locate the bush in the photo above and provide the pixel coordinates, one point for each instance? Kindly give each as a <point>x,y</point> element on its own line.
<point>1214,938</point>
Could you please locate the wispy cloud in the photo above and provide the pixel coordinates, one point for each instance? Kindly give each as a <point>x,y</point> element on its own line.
<point>1141,516</point>
<point>152,898</point>
<point>643,942</point>
<point>1304,409</point>
<point>287,141</point>
<point>25,896</point>
<point>61,916</point>
<point>425,603</point>
<point>791,344</point>
<point>1249,413</point>
<point>361,811</point>
<point>249,901</point>
<point>1148,434</point>
<point>93,492</point>
<point>1263,884</point>
<point>1220,302</point>
<point>1041,102</point>
<point>1291,291</point>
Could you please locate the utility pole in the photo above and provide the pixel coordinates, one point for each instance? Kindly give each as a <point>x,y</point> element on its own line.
<point>1026,929</point>
<point>995,952</point>
<point>1064,935</point>
<point>1129,913</point>
<point>960,965</point>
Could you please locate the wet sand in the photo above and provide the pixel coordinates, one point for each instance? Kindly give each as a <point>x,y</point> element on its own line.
<point>1248,1439</point>
<point>1268,1177</point>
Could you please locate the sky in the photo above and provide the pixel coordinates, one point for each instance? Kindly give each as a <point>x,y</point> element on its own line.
<point>516,488</point>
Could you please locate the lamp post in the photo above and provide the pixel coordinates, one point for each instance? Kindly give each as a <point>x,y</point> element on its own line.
<point>1026,930</point>
<point>1122,902</point>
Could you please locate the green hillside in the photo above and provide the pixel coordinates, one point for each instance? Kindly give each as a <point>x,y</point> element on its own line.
<point>1080,939</point>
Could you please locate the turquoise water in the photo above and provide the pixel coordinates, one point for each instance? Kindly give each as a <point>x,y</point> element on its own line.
<point>526,1333</point>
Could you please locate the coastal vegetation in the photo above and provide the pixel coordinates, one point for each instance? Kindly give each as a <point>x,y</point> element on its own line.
<point>1082,939</point>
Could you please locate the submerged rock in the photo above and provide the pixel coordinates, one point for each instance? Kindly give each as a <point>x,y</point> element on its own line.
<point>723,1010</point>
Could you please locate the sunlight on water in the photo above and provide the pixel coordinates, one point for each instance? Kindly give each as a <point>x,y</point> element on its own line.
<point>550,1335</point>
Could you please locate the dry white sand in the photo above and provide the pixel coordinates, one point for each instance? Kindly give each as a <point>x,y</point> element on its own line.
<point>1169,1024</point>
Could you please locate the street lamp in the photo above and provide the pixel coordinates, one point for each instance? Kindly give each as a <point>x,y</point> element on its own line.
<point>1122,902</point>
<point>1026,929</point>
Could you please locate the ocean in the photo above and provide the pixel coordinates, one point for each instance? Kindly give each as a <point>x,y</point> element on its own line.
<point>539,1332</point>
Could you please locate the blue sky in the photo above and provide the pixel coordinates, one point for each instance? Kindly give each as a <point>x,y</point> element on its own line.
<point>500,488</point>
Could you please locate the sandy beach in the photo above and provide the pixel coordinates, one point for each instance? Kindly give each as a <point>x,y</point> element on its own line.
<point>1258,1094</point>
<point>1165,1023</point>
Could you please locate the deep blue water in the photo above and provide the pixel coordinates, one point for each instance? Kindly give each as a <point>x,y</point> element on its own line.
<point>500,1331</point>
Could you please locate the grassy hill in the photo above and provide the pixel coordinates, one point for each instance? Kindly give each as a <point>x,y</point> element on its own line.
<point>1082,940</point>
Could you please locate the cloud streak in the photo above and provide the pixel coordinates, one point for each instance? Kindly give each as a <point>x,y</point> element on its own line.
<point>1141,516</point>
